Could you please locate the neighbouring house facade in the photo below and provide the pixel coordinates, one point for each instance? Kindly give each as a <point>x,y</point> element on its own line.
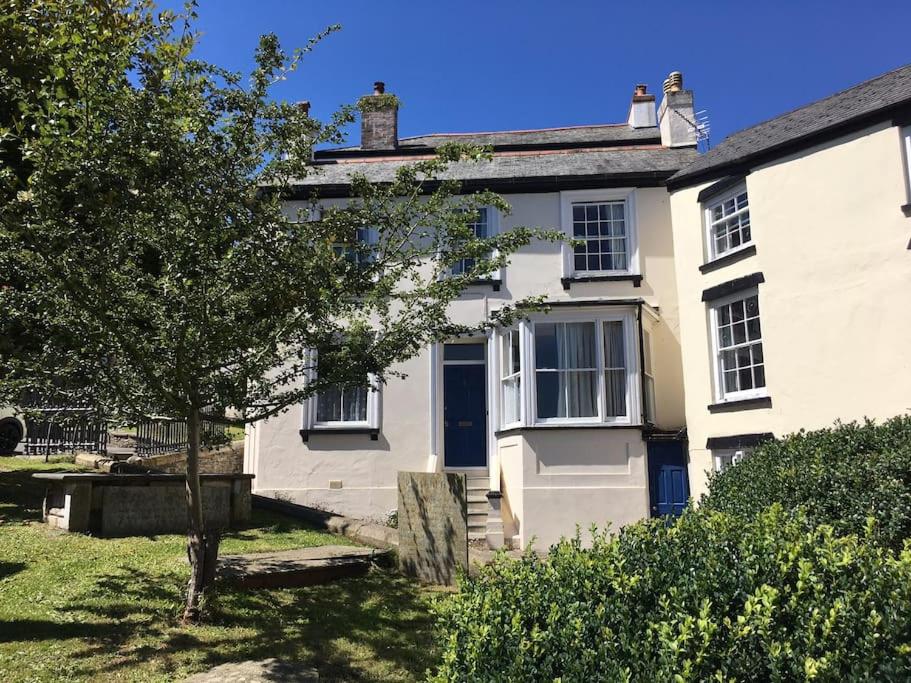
<point>791,246</point>
<point>769,278</point>
<point>553,420</point>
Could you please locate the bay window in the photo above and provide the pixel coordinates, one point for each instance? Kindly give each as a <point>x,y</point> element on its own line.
<point>564,369</point>
<point>566,372</point>
<point>511,377</point>
<point>648,377</point>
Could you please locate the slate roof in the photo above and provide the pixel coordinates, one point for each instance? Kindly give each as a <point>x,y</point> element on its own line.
<point>605,134</point>
<point>543,166</point>
<point>878,96</point>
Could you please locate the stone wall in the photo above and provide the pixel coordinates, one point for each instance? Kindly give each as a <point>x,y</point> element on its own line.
<point>225,460</point>
<point>433,525</point>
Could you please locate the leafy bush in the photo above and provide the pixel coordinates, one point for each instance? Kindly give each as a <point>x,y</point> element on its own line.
<point>709,598</point>
<point>839,476</point>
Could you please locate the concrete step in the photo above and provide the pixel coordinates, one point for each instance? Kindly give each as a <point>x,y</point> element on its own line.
<point>302,567</point>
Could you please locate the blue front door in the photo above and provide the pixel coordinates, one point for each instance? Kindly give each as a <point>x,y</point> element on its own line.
<point>464,406</point>
<point>668,481</point>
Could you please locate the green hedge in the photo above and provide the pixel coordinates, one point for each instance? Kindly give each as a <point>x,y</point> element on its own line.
<point>709,598</point>
<point>841,476</point>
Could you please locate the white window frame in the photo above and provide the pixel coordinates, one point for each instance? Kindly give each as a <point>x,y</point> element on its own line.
<point>721,456</point>
<point>528,370</point>
<point>709,224</point>
<point>493,229</point>
<point>906,156</point>
<point>628,197</point>
<point>309,418</point>
<point>648,377</point>
<point>720,394</point>
<point>505,375</point>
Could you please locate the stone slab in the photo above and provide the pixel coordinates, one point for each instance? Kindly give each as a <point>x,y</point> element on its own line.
<point>433,526</point>
<point>258,672</point>
<point>162,509</point>
<point>301,567</point>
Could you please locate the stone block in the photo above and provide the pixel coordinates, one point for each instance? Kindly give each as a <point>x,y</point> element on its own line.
<point>149,510</point>
<point>241,502</point>
<point>433,526</point>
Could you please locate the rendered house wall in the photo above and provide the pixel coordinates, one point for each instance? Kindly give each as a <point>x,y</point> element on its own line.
<point>832,244</point>
<point>293,470</point>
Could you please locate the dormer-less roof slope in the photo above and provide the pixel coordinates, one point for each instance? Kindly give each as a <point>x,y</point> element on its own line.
<point>570,136</point>
<point>882,98</point>
<point>523,161</point>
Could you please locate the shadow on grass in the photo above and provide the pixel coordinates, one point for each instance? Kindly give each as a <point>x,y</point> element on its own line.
<point>21,496</point>
<point>351,629</point>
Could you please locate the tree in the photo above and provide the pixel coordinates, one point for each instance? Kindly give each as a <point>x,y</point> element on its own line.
<point>155,268</point>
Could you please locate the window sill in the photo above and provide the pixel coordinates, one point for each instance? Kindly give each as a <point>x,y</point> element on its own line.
<point>373,432</point>
<point>741,404</point>
<point>567,282</point>
<point>545,427</point>
<point>494,284</point>
<point>728,258</point>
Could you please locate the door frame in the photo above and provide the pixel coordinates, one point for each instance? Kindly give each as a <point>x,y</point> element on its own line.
<point>685,453</point>
<point>438,450</point>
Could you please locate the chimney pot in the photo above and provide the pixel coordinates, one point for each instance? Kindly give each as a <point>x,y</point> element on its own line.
<point>379,88</point>
<point>676,117</point>
<point>642,109</point>
<point>304,106</point>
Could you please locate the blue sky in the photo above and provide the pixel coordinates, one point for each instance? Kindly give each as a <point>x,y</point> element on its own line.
<point>507,64</point>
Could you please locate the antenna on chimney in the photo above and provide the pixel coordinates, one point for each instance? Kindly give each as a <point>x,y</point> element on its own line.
<point>703,129</point>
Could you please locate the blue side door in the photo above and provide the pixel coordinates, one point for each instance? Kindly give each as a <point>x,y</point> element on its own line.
<point>465,411</point>
<point>669,484</point>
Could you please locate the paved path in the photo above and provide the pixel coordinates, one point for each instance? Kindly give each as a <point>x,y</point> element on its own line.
<point>271,670</point>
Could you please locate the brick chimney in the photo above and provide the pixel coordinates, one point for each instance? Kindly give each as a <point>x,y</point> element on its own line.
<point>642,109</point>
<point>379,119</point>
<point>676,117</point>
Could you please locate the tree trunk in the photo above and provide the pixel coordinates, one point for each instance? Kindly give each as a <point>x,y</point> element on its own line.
<point>202,543</point>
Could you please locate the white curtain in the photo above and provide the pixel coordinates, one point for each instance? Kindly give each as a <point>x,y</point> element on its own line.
<point>576,359</point>
<point>615,368</point>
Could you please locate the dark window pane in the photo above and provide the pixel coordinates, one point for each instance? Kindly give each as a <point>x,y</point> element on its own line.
<point>463,352</point>
<point>578,213</point>
<point>547,386</point>
<point>593,263</point>
<point>545,345</point>
<point>746,378</point>
<point>753,329</point>
<point>740,333</point>
<point>579,229</point>
<point>752,306</point>
<point>730,381</point>
<point>591,213</point>
<point>579,263</point>
<point>603,212</point>
<point>759,375</point>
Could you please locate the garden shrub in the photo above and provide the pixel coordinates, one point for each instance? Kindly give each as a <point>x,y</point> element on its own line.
<point>840,476</point>
<point>711,597</point>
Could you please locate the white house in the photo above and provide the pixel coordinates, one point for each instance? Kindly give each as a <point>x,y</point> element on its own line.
<point>572,417</point>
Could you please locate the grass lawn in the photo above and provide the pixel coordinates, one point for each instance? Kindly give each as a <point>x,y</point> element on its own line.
<point>74,607</point>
